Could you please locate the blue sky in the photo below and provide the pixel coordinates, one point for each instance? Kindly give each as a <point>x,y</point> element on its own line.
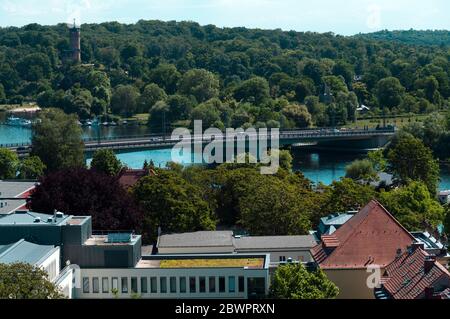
<point>340,16</point>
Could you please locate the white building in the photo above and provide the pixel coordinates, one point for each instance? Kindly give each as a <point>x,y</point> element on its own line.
<point>236,276</point>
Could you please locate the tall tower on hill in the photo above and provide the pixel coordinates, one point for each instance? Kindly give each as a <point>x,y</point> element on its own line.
<point>75,43</point>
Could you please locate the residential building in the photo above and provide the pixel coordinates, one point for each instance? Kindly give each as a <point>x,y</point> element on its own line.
<point>433,247</point>
<point>414,274</point>
<point>373,237</point>
<point>444,197</point>
<point>14,195</point>
<point>280,248</point>
<point>329,224</point>
<point>129,177</point>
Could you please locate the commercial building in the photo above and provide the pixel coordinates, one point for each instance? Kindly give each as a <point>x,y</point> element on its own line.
<point>181,276</point>
<point>280,248</point>
<point>373,237</point>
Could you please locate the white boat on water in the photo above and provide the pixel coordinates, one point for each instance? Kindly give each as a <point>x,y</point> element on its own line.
<point>17,121</point>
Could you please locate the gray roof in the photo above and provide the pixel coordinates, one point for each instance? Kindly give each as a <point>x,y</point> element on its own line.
<point>197,239</point>
<point>275,242</point>
<point>13,189</point>
<point>24,252</point>
<point>28,218</point>
<point>8,206</point>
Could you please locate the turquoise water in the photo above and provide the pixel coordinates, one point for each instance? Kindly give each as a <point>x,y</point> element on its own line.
<point>322,167</point>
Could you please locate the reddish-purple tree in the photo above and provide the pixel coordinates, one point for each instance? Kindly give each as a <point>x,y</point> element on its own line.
<point>83,192</point>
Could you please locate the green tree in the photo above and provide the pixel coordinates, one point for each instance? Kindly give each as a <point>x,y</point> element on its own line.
<point>345,195</point>
<point>173,204</point>
<point>9,162</point>
<point>255,90</point>
<point>410,160</point>
<point>378,160</point>
<point>24,281</point>
<point>200,83</point>
<point>31,168</point>
<point>105,161</point>
<point>413,206</point>
<point>125,100</point>
<point>361,170</point>
<point>272,207</point>
<point>57,140</point>
<point>390,92</point>
<point>293,281</point>
<point>152,94</point>
<point>299,115</point>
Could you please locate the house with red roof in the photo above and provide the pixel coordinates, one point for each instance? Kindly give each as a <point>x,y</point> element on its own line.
<point>129,177</point>
<point>415,275</point>
<point>372,238</point>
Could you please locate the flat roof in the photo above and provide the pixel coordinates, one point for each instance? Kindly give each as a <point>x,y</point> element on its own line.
<point>25,252</point>
<point>102,240</point>
<point>13,189</point>
<point>196,239</point>
<point>29,218</point>
<point>275,242</point>
<point>8,206</point>
<point>204,261</point>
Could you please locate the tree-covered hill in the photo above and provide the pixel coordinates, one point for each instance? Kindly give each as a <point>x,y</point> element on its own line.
<point>415,37</point>
<point>225,76</point>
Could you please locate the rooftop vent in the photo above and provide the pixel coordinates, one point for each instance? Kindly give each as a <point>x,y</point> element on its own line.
<point>50,220</point>
<point>59,215</point>
<point>37,220</point>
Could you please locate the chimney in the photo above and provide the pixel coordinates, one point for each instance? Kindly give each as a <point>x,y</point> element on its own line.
<point>429,293</point>
<point>429,263</point>
<point>417,245</point>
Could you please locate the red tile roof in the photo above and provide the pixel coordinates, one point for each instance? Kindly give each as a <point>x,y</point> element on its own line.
<point>371,237</point>
<point>405,277</point>
<point>129,177</point>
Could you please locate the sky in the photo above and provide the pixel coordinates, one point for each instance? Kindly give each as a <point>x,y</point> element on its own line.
<point>344,17</point>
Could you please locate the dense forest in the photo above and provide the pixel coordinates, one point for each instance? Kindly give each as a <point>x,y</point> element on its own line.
<point>182,71</point>
<point>429,37</point>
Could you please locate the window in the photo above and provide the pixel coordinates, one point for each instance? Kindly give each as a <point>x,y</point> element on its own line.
<point>231,284</point>
<point>212,284</point>
<point>282,259</point>
<point>115,284</point>
<point>183,285</point>
<point>144,288</point>
<point>124,285</point>
<point>192,285</point>
<point>86,285</point>
<point>163,285</point>
<point>202,284</point>
<point>173,285</point>
<point>221,284</point>
<point>134,288</point>
<point>95,285</point>
<point>241,284</point>
<point>153,285</point>
<point>105,285</point>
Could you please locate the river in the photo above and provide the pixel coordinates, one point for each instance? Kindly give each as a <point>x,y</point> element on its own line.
<point>318,166</point>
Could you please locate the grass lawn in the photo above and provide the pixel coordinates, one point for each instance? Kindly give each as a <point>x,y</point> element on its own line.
<point>213,263</point>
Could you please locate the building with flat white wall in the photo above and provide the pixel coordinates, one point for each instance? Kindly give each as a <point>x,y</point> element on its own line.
<point>237,276</point>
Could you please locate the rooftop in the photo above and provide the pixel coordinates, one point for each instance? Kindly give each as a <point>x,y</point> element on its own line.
<point>372,236</point>
<point>107,240</point>
<point>15,189</point>
<point>25,252</point>
<point>129,177</point>
<point>8,206</point>
<point>196,239</point>
<point>274,242</point>
<point>408,276</point>
<point>427,240</point>
<point>31,218</point>
<point>212,261</point>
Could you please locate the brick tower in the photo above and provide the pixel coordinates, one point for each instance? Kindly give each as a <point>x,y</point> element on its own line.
<point>75,44</point>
